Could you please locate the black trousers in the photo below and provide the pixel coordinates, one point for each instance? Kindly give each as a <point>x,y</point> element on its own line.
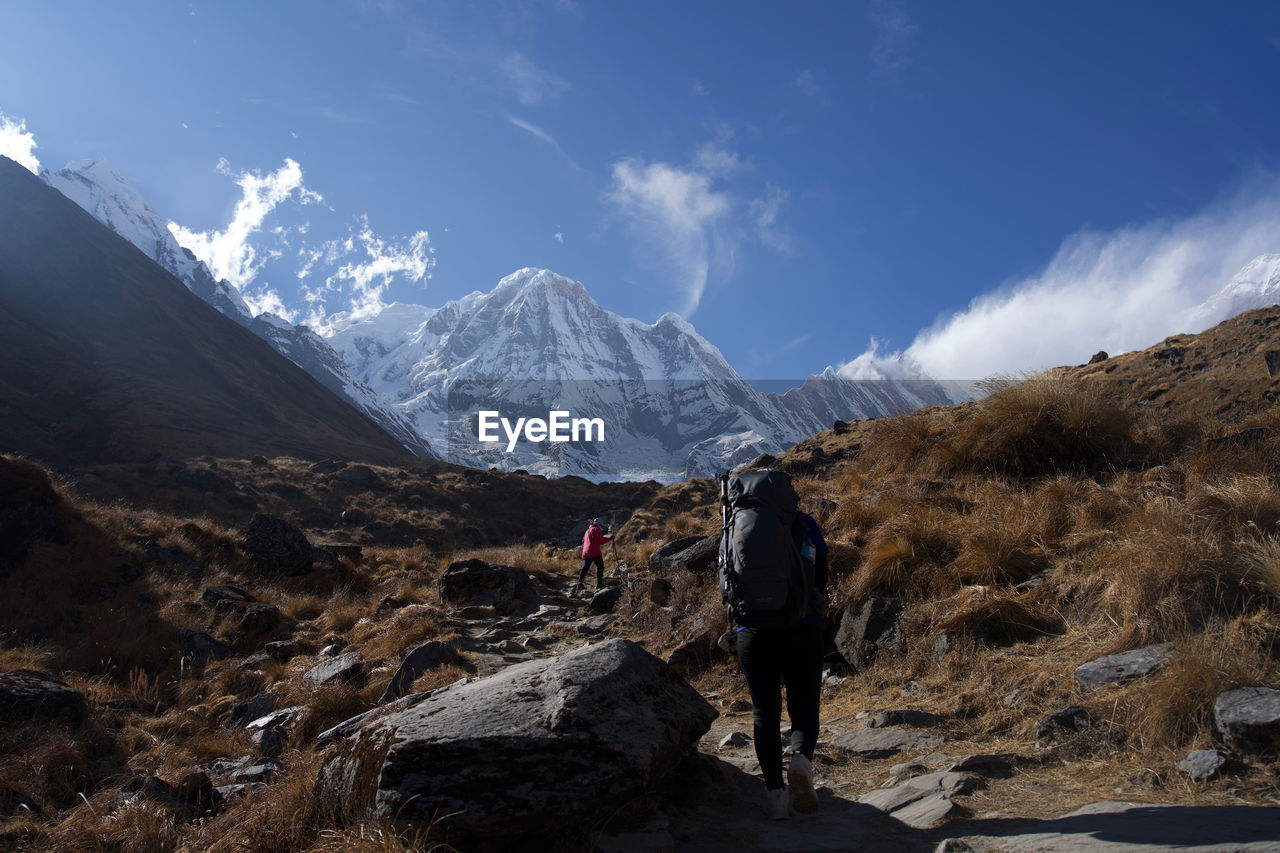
<point>598,559</point>
<point>771,658</point>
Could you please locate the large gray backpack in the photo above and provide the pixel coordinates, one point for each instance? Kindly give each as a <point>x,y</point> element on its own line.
<point>763,579</point>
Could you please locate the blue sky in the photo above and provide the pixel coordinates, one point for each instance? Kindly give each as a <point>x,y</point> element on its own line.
<point>988,186</point>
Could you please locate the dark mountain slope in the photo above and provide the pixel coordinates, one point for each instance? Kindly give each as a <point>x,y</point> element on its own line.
<point>104,356</point>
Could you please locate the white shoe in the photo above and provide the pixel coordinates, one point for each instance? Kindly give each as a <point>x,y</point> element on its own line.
<point>776,804</point>
<point>800,775</point>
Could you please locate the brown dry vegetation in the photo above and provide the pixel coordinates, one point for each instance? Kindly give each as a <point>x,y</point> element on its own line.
<point>1055,521</point>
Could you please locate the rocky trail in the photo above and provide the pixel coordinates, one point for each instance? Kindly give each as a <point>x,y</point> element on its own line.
<point>712,801</point>
<point>565,735</point>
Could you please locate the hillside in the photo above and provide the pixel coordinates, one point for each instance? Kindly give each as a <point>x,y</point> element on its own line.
<point>109,358</point>
<point>981,555</point>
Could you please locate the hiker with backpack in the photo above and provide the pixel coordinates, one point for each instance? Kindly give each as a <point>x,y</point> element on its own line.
<point>593,552</point>
<point>773,573</point>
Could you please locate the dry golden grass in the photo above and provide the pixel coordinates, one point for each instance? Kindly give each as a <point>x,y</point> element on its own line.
<point>1132,530</point>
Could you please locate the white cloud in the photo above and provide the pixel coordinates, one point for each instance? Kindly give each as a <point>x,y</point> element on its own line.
<point>691,224</point>
<point>536,131</point>
<point>678,212</point>
<point>700,90</point>
<point>807,82</point>
<point>764,216</point>
<point>532,84</point>
<point>228,253</point>
<point>18,144</point>
<point>894,31</point>
<point>715,159</point>
<point>1115,291</point>
<point>558,237</point>
<point>265,300</point>
<point>364,281</point>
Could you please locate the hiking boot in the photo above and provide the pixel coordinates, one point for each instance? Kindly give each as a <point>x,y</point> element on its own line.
<point>776,804</point>
<point>800,775</point>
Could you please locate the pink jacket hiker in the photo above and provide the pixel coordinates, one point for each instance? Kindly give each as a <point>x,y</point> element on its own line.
<point>591,542</point>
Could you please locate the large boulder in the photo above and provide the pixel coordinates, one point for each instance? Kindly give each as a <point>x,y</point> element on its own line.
<point>346,667</point>
<point>658,559</point>
<point>276,545</point>
<point>696,554</point>
<point>424,658</point>
<point>868,629</point>
<point>470,583</point>
<point>1125,666</point>
<point>1248,718</point>
<point>539,746</point>
<point>28,695</point>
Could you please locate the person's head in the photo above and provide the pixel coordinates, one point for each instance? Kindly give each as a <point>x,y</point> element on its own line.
<point>598,522</point>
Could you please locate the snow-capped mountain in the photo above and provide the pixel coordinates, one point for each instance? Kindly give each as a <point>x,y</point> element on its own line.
<point>1255,286</point>
<point>670,405</point>
<point>98,188</point>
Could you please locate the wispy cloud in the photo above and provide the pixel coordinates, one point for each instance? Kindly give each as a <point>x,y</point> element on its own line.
<point>678,213</point>
<point>532,84</point>
<point>764,217</point>
<point>689,220</point>
<point>17,143</point>
<point>700,90</point>
<point>367,266</point>
<point>230,253</point>
<point>807,82</point>
<point>558,237</point>
<point>894,32</point>
<point>1113,291</point>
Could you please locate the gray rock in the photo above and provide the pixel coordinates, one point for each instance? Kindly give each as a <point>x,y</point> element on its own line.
<point>259,618</point>
<point>475,583</point>
<point>278,546</point>
<point>907,769</point>
<point>255,661</point>
<point>1202,764</point>
<point>253,708</point>
<point>594,625</point>
<point>659,557</point>
<point>356,474</point>
<point>260,771</point>
<point>524,752</point>
<point>734,739</point>
<point>883,743</point>
<point>29,695</point>
<point>214,595</point>
<point>194,797</point>
<point>1068,721</point>
<point>903,717</point>
<point>281,719</point>
<point>697,557</point>
<point>605,600</point>
<point>346,667</point>
<point>1125,666</point>
<point>992,766</point>
<point>199,646</point>
<point>922,801</point>
<point>270,742</point>
<point>868,629</point>
<point>693,656</point>
<point>424,658</point>
<point>738,706</point>
<point>282,650</point>
<point>1248,719</point>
